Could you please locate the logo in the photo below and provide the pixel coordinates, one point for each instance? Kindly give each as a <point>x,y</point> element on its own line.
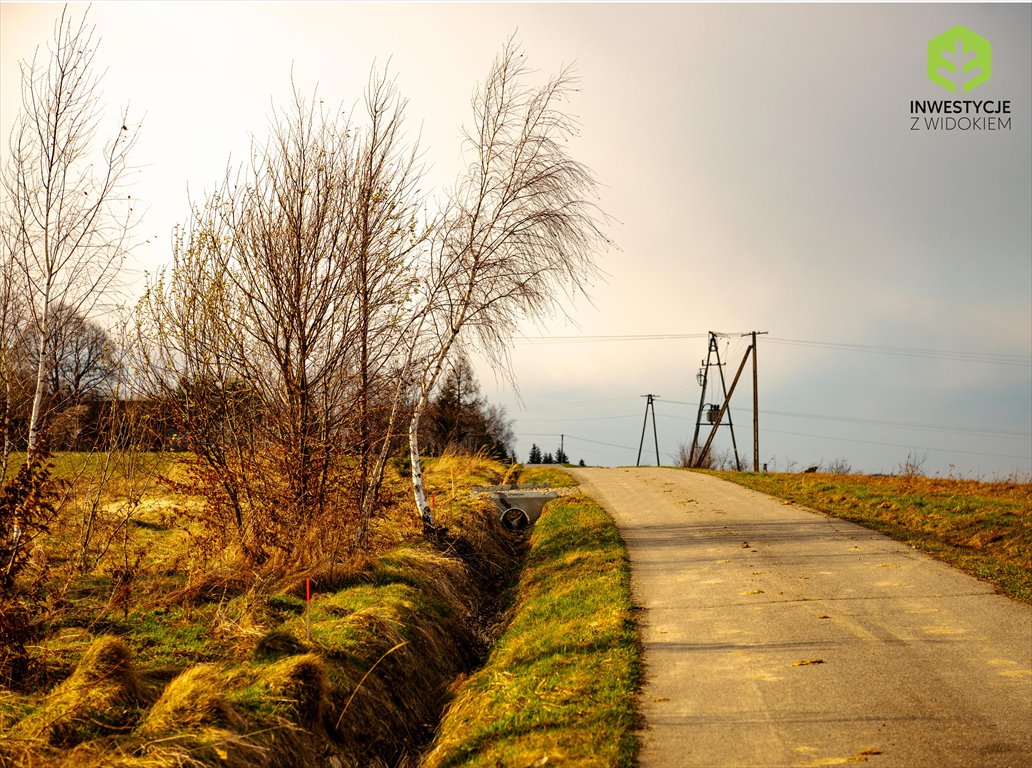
<point>959,60</point>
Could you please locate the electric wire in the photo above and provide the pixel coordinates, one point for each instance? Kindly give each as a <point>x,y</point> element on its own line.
<point>984,358</point>
<point>900,445</point>
<point>990,358</point>
<point>600,339</point>
<point>576,439</point>
<point>1004,433</point>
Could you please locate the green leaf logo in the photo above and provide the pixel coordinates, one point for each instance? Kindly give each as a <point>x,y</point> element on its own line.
<point>959,60</point>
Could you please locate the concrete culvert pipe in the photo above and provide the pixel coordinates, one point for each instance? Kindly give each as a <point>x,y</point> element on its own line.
<point>515,519</point>
<point>520,509</point>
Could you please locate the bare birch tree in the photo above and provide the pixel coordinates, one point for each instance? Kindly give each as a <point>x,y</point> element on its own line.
<point>67,219</point>
<point>522,230</point>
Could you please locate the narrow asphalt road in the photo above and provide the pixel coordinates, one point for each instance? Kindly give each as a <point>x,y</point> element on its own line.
<point>776,636</point>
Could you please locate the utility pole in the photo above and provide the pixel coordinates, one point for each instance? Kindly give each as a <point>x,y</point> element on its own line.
<point>755,404</point>
<point>715,415</point>
<point>649,404</point>
<point>755,411</point>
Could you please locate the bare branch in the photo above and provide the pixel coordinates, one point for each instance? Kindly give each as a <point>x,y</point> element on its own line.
<point>67,218</point>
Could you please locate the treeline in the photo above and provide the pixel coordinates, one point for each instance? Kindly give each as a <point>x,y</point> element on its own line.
<point>537,457</point>
<point>85,412</point>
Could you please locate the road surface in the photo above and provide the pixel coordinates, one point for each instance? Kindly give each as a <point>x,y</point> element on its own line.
<point>776,636</point>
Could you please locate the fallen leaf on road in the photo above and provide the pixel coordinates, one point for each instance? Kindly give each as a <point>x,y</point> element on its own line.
<point>807,662</point>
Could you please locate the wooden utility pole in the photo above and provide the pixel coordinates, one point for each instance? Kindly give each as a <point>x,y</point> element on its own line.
<point>649,404</point>
<point>755,411</point>
<point>755,404</point>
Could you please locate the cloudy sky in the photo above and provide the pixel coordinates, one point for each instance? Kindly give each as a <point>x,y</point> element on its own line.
<point>761,173</point>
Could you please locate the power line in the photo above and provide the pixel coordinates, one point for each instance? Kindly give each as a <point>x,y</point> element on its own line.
<point>596,451</point>
<point>989,358</point>
<point>578,418</point>
<point>598,339</point>
<point>1004,433</point>
<point>574,437</point>
<point>899,445</point>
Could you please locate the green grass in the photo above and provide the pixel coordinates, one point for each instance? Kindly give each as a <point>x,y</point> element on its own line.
<point>559,686</point>
<point>983,528</point>
<point>552,476</point>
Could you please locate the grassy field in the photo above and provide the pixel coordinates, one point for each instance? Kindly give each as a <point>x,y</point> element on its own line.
<point>981,527</point>
<point>182,659</point>
<point>156,653</point>
<point>558,688</point>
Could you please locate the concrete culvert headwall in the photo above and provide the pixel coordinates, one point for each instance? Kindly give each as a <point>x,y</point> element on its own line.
<point>520,509</point>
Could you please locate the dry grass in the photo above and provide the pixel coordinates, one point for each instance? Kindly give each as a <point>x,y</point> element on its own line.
<point>218,665</point>
<point>360,676</point>
<point>100,698</point>
<point>195,698</point>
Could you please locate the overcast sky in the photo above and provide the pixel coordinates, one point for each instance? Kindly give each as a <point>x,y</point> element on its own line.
<point>761,172</point>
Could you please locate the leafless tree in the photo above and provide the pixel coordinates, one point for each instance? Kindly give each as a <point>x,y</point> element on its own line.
<point>110,483</point>
<point>521,230</point>
<point>308,310</point>
<point>82,358</point>
<point>280,322</point>
<point>66,219</point>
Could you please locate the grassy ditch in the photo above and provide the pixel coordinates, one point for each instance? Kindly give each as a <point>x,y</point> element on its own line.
<point>356,679</point>
<point>558,687</point>
<point>163,654</point>
<point>984,528</point>
<point>218,668</point>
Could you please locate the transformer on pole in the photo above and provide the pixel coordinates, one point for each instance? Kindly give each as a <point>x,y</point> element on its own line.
<point>714,414</point>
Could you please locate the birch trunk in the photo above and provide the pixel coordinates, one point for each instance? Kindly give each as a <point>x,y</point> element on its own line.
<point>418,491</point>
<point>36,416</point>
<point>427,515</point>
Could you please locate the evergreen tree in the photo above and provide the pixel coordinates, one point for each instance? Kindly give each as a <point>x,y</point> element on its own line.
<point>535,455</point>
<point>561,457</point>
<point>459,419</point>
